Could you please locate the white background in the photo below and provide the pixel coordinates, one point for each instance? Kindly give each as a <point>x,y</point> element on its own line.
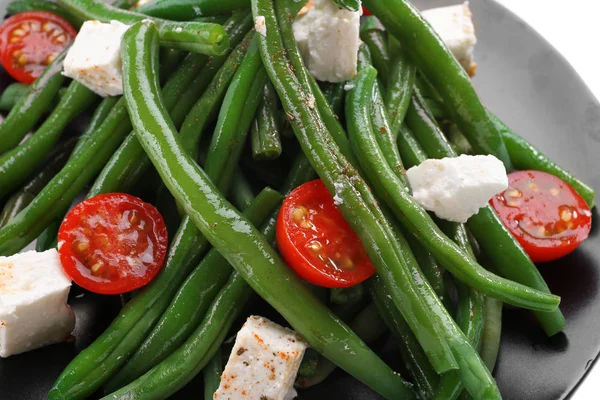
<point>573,28</point>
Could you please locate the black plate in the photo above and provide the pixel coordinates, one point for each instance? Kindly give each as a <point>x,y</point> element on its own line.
<point>533,89</point>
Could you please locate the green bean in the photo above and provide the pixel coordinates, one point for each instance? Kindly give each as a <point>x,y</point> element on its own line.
<point>347,296</point>
<point>128,164</point>
<point>238,109</point>
<point>358,205</point>
<point>266,144</point>
<point>212,375</point>
<point>185,10</point>
<point>189,305</point>
<point>492,330</point>
<point>48,239</point>
<point>100,114</point>
<point>20,162</point>
<point>334,93</point>
<point>300,172</point>
<point>169,60</point>
<point>20,6</point>
<point>415,218</point>
<point>367,324</point>
<point>199,37</point>
<point>28,110</point>
<point>206,108</point>
<point>497,242</point>
<point>469,315</point>
<point>431,55</point>
<point>376,40</point>
<point>235,238</point>
<point>431,269</point>
<point>308,366</point>
<point>410,149</point>
<point>21,199</point>
<point>401,79</point>
<point>11,95</point>
<point>196,37</point>
<point>242,196</point>
<point>525,156</point>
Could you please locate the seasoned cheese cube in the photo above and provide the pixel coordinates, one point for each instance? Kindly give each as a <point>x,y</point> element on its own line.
<point>455,27</point>
<point>456,188</point>
<point>94,59</point>
<point>263,364</point>
<point>328,38</point>
<point>33,302</point>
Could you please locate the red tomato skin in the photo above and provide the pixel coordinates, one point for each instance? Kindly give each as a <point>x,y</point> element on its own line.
<point>88,222</point>
<point>535,217</point>
<point>306,267</point>
<point>366,12</point>
<point>35,45</point>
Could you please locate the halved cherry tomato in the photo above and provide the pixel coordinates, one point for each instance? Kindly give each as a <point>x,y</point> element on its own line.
<point>546,215</point>
<point>112,243</point>
<point>316,241</point>
<point>31,40</point>
<point>366,12</point>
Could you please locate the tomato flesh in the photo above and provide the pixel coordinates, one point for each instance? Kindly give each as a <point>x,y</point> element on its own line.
<point>112,243</point>
<point>30,41</point>
<point>316,241</point>
<point>366,12</point>
<point>546,215</point>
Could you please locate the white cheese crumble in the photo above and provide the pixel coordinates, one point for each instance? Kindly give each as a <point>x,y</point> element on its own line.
<point>328,38</point>
<point>33,302</point>
<point>348,86</point>
<point>456,188</point>
<point>260,25</point>
<point>94,59</point>
<point>455,27</point>
<point>263,364</point>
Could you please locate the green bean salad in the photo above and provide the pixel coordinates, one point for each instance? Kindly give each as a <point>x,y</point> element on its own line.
<point>329,157</point>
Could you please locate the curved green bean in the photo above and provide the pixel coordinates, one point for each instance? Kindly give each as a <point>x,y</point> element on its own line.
<point>377,41</point>
<point>492,331</point>
<point>416,219</point>
<point>233,235</point>
<point>328,157</point>
<point>497,242</point>
<point>11,94</point>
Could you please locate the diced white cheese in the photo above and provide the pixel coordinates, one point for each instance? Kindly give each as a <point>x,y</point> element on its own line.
<point>33,302</point>
<point>263,364</point>
<point>260,26</point>
<point>94,59</point>
<point>141,3</point>
<point>328,38</point>
<point>455,27</point>
<point>456,188</point>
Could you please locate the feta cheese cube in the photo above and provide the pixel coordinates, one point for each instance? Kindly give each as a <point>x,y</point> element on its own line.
<point>94,59</point>
<point>33,302</point>
<point>263,364</point>
<point>456,188</point>
<point>328,38</point>
<point>455,27</point>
